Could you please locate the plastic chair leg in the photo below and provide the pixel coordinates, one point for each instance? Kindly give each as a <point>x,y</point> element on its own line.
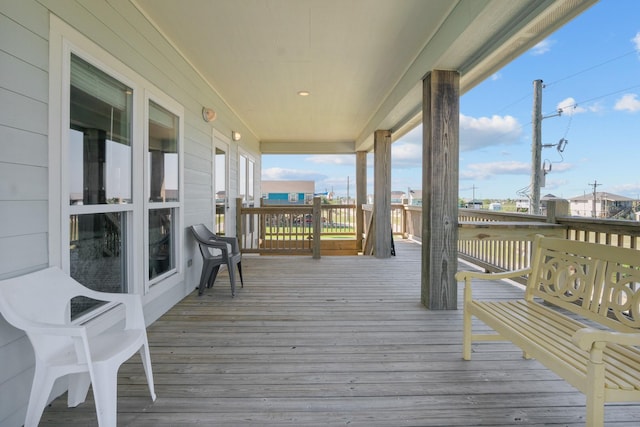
<point>78,387</point>
<point>213,275</point>
<point>240,273</point>
<point>146,363</point>
<point>232,278</point>
<point>43,382</point>
<point>105,393</point>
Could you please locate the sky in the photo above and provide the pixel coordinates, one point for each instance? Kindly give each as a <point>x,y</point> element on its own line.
<point>590,69</point>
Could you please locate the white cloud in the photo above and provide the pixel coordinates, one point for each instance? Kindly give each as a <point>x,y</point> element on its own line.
<point>477,133</point>
<point>333,159</point>
<point>496,76</point>
<point>406,155</point>
<point>277,174</point>
<point>488,170</point>
<point>570,107</point>
<point>636,41</point>
<point>628,102</point>
<point>629,190</point>
<point>542,47</point>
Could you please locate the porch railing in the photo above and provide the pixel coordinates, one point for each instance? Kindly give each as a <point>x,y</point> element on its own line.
<point>495,241</point>
<point>294,229</point>
<point>500,241</point>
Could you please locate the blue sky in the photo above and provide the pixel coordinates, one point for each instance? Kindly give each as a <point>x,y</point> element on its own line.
<point>590,69</point>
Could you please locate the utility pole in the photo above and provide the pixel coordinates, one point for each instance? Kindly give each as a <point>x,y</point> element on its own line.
<point>536,147</point>
<point>537,174</point>
<point>595,186</point>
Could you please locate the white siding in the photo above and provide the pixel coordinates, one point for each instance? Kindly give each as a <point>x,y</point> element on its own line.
<point>23,180</point>
<point>120,29</point>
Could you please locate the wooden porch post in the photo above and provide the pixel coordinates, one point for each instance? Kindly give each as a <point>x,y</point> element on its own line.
<point>361,195</point>
<point>440,154</point>
<point>382,194</point>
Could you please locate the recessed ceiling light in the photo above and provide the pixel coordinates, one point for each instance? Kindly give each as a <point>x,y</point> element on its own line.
<point>304,93</point>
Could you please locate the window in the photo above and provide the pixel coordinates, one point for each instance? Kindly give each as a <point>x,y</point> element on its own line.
<point>163,131</point>
<point>246,177</point>
<point>99,171</point>
<point>116,168</point>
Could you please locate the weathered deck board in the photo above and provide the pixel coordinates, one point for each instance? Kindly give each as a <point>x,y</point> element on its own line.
<point>335,341</point>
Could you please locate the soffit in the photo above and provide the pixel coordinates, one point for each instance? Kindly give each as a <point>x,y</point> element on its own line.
<point>361,60</point>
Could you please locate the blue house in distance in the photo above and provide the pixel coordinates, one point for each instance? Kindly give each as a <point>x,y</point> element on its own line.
<point>287,192</point>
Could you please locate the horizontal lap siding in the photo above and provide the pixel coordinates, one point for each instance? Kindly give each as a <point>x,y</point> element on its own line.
<point>24,57</point>
<point>120,29</point>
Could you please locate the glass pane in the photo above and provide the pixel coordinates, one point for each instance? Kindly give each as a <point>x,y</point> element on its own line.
<point>161,242</point>
<point>97,255</point>
<point>221,189</point>
<point>163,155</point>
<point>250,181</point>
<point>100,137</point>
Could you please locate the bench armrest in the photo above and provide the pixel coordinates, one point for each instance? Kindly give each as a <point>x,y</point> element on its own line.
<point>585,338</point>
<point>468,275</point>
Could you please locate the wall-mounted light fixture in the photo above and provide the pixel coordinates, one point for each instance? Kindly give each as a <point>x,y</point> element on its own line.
<point>208,114</point>
<point>235,135</point>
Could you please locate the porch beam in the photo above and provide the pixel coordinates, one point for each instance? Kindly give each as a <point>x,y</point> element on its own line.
<point>307,147</point>
<point>382,193</point>
<point>440,154</point>
<point>361,195</point>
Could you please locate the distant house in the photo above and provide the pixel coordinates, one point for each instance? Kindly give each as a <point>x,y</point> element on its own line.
<point>398,197</point>
<point>287,192</point>
<point>474,204</point>
<point>607,205</point>
<point>415,197</point>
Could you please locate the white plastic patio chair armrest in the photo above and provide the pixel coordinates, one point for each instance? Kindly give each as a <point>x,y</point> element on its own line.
<point>41,328</point>
<point>134,315</point>
<point>586,338</point>
<point>78,334</point>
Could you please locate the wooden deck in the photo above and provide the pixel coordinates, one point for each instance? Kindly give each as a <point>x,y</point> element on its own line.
<point>336,341</point>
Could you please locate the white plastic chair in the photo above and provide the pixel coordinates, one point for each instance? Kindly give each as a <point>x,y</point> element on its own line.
<point>39,304</point>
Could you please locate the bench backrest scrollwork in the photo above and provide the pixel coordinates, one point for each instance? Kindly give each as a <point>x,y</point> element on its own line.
<point>595,281</point>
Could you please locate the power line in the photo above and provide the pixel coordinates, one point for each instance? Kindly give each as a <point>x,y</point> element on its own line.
<point>595,98</point>
<point>577,73</point>
<point>593,67</point>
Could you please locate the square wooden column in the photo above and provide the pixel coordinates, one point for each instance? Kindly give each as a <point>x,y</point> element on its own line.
<point>440,155</point>
<point>382,194</point>
<point>361,195</point>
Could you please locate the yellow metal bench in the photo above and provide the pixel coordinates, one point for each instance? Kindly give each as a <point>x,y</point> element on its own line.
<point>580,317</point>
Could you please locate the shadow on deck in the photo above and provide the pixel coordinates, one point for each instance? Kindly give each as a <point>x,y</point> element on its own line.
<point>335,341</point>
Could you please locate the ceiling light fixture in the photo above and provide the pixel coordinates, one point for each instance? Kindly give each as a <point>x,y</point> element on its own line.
<point>208,115</point>
<point>235,135</point>
<point>304,93</point>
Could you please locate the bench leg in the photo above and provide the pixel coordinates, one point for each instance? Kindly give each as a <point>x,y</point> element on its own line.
<point>466,341</point>
<point>595,392</point>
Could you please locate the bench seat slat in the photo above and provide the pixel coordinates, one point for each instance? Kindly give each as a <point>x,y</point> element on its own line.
<point>519,335</point>
<point>551,332</point>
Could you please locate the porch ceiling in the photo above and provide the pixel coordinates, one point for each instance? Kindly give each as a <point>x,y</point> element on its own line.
<point>361,60</point>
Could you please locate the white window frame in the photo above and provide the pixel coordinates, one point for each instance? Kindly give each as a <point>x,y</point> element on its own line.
<point>63,41</point>
<point>173,107</point>
<point>219,141</point>
<point>248,183</point>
